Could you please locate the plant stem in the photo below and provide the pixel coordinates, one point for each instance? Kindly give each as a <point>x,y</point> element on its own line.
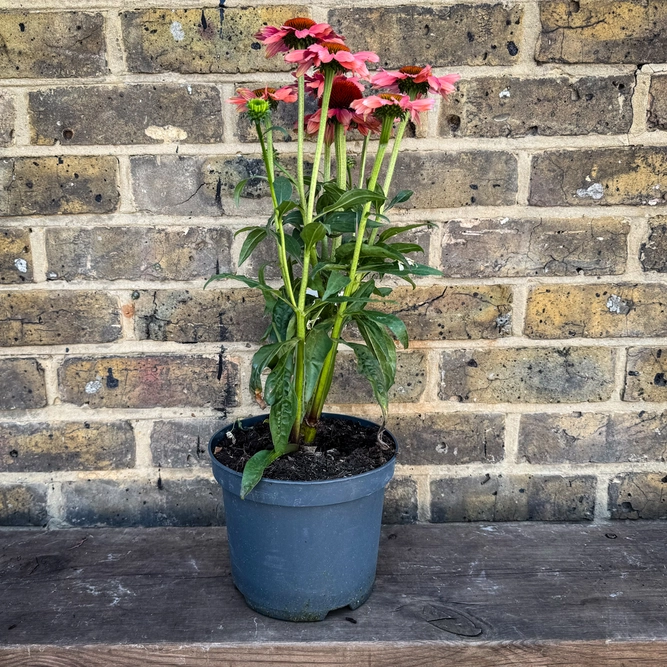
<point>267,155</point>
<point>300,138</point>
<point>327,163</point>
<point>362,162</point>
<point>341,156</point>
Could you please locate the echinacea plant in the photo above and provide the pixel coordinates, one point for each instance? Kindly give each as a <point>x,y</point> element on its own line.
<point>333,238</point>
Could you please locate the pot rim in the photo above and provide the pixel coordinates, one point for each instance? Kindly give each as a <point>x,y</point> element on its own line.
<point>285,482</point>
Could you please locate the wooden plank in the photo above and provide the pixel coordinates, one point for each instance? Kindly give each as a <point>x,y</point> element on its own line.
<point>498,594</point>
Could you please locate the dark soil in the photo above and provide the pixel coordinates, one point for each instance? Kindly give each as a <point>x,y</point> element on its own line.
<point>344,449</point>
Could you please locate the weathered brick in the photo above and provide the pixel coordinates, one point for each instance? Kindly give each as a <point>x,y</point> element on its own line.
<point>15,255</point>
<point>653,253</point>
<point>509,247</point>
<point>657,105</point>
<point>596,311</point>
<point>23,505</point>
<point>7,116</point>
<point>191,316</point>
<point>638,495</point>
<point>527,375</point>
<point>400,501</point>
<point>51,185</point>
<point>188,185</point>
<point>51,45</point>
<point>448,438</point>
<point>463,34</point>
<point>493,497</point>
<point>131,114</point>
<point>21,384</point>
<point>513,107</point>
<point>39,446</point>
<point>45,317</point>
<point>183,443</point>
<point>592,438</point>
<point>451,180</point>
<point>203,41</point>
<point>607,176</point>
<point>155,502</point>
<point>350,387</point>
<point>137,253</point>
<point>602,31</point>
<point>150,381</point>
<point>646,376</point>
<point>461,312</point>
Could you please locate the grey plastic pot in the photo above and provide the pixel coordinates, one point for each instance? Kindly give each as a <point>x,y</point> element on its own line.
<point>302,549</point>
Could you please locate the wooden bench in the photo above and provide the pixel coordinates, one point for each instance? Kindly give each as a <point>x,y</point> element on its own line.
<point>475,595</point>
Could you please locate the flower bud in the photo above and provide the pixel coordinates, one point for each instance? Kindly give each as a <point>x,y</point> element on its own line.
<point>258,108</point>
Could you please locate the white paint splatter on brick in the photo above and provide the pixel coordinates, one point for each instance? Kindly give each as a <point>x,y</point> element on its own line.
<point>21,265</point>
<point>177,31</point>
<point>594,191</point>
<point>94,386</point>
<point>505,93</point>
<point>166,133</point>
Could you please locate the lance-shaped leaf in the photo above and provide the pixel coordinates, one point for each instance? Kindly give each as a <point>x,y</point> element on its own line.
<point>280,394</point>
<point>318,345</point>
<point>337,282</point>
<point>353,198</point>
<point>401,196</point>
<point>254,469</point>
<point>393,323</point>
<point>401,229</point>
<point>312,234</point>
<point>382,346</point>
<point>368,366</point>
<point>254,238</point>
<point>267,356</point>
<point>283,189</point>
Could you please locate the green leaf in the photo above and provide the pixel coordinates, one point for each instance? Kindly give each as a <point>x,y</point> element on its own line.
<point>368,366</point>
<point>280,394</point>
<point>312,234</point>
<point>400,197</point>
<point>254,469</point>
<point>382,347</point>
<point>238,190</point>
<point>393,323</point>
<point>337,282</point>
<point>293,247</point>
<point>294,218</point>
<point>346,251</point>
<point>282,188</point>
<point>286,206</point>
<point>266,356</point>
<point>353,198</point>
<point>318,345</point>
<point>400,229</point>
<point>281,316</point>
<point>405,248</point>
<point>278,128</point>
<point>254,238</point>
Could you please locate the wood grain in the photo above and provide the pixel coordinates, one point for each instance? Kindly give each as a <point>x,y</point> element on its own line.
<point>455,594</point>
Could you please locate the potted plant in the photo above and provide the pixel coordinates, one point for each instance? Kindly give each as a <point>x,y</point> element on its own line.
<point>303,490</point>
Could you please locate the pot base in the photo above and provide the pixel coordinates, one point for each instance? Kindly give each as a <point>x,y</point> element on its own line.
<point>307,615</point>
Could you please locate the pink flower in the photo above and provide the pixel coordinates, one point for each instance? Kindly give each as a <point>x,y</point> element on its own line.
<point>332,53</point>
<point>297,33</point>
<point>344,92</point>
<point>315,83</point>
<point>271,95</point>
<point>417,80</point>
<point>392,105</point>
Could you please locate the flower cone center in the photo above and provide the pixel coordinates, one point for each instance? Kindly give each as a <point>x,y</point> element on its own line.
<point>300,23</point>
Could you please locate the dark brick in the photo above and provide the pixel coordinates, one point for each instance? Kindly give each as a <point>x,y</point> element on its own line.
<point>592,438</point>
<point>513,107</point>
<point>602,31</point>
<point>653,253</point>
<point>596,311</point>
<point>638,495</point>
<point>21,384</point>
<point>7,117</point>
<point>185,316</point>
<point>600,177</point>
<point>137,253</point>
<point>52,185</point>
<point>45,317</point>
<point>463,34</point>
<point>527,375</point>
<point>202,41</point>
<point>39,446</point>
<point>183,443</point>
<point>154,502</point>
<point>400,501</point>
<point>494,497</point>
<point>15,255</point>
<point>23,505</point>
<point>646,374</point>
<point>541,247</point>
<point>131,114</point>
<point>51,45</point>
<point>150,381</point>
<point>448,438</point>
<point>350,387</point>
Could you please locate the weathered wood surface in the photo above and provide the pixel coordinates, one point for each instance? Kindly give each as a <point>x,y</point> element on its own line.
<point>474,595</point>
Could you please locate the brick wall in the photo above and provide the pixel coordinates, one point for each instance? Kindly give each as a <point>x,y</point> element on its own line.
<point>536,385</point>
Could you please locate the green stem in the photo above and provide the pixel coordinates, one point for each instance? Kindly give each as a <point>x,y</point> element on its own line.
<point>362,162</point>
<point>341,156</point>
<point>267,155</point>
<point>327,163</point>
<point>300,139</point>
